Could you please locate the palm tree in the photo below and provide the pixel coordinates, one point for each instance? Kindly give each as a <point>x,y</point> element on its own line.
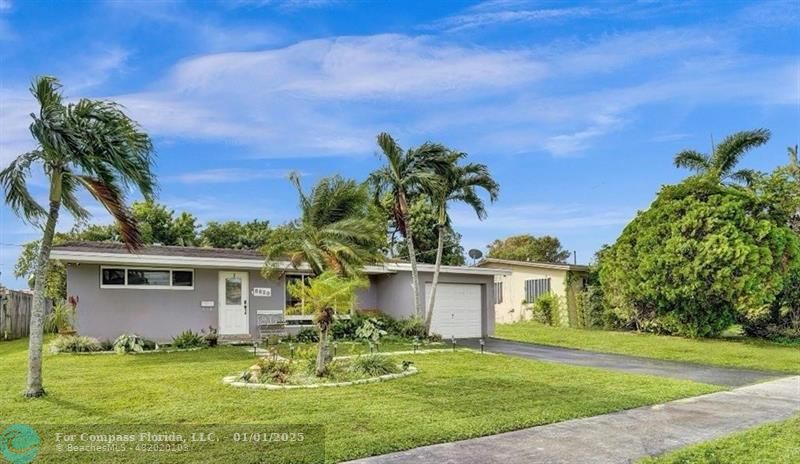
<point>90,144</point>
<point>326,295</point>
<point>405,174</point>
<point>459,184</point>
<point>721,163</point>
<point>337,230</point>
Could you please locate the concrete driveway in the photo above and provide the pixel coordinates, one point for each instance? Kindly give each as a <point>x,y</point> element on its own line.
<point>699,373</point>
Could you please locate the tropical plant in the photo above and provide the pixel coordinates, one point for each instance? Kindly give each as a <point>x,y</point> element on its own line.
<point>720,165</point>
<point>374,365</point>
<point>526,247</point>
<point>307,335</point>
<point>371,330</point>
<point>337,230</point>
<point>406,174</point>
<point>75,344</point>
<point>188,339</point>
<point>132,343</point>
<point>458,183</point>
<point>90,144</point>
<point>62,318</point>
<point>211,337</point>
<point>326,295</point>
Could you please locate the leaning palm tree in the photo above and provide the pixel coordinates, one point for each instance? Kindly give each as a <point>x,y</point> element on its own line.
<point>337,230</point>
<point>405,174</point>
<point>720,164</point>
<point>90,144</point>
<point>460,183</point>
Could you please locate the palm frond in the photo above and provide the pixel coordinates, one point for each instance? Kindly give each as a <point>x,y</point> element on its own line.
<point>47,92</point>
<point>746,176</point>
<point>728,153</point>
<point>14,181</point>
<point>113,199</point>
<point>69,186</point>
<point>693,160</point>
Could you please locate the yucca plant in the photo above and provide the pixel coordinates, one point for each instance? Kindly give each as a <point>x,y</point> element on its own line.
<point>62,319</point>
<point>91,145</point>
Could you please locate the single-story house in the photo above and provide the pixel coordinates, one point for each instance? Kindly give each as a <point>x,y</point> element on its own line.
<point>160,291</point>
<point>528,280</point>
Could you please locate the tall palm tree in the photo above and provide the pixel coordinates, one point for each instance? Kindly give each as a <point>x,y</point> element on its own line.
<point>90,144</point>
<point>460,183</point>
<point>720,164</point>
<point>405,174</point>
<point>337,230</point>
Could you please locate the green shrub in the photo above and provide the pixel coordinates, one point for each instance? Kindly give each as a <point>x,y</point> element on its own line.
<point>106,345</point>
<point>308,335</point>
<point>188,339</point>
<point>410,328</point>
<point>211,337</point>
<point>274,370</point>
<point>132,343</point>
<point>374,365</point>
<point>75,344</point>
<point>61,318</point>
<point>703,256</point>
<point>371,330</point>
<point>344,328</point>
<point>782,322</point>
<point>590,308</point>
<point>546,309</point>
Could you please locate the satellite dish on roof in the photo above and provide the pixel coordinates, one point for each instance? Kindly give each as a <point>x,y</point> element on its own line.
<point>475,254</point>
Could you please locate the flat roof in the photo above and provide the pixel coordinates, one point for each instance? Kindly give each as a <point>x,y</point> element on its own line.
<point>158,255</point>
<point>534,264</point>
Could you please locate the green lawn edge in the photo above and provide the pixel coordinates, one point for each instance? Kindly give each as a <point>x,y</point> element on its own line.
<point>743,354</point>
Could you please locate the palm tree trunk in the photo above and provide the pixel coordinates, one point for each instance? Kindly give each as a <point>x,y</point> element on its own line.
<point>432,299</point>
<point>322,352</point>
<point>412,257</point>
<point>36,336</point>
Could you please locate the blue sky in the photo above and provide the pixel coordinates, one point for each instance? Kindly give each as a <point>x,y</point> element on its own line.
<point>577,108</point>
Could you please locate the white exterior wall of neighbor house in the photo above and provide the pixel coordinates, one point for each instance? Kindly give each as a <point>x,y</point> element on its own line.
<point>511,308</point>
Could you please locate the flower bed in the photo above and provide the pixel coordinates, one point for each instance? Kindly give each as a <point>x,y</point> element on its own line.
<point>276,373</point>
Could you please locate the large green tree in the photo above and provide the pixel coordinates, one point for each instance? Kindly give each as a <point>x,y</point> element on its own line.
<point>721,164</point>
<point>160,225</point>
<point>91,145</point>
<point>338,230</point>
<point>406,174</point>
<point>424,224</point>
<point>460,183</point>
<point>235,234</point>
<point>701,257</point>
<point>526,247</point>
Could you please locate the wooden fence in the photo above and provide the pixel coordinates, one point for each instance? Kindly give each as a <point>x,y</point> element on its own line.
<point>15,313</point>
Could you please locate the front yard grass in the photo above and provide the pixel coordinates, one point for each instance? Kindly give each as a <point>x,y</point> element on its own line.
<point>454,396</point>
<point>744,353</point>
<point>776,443</point>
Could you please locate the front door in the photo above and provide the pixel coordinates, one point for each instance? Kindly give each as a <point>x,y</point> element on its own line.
<point>233,313</point>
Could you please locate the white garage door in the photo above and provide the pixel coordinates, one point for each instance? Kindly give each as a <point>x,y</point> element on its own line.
<point>458,310</point>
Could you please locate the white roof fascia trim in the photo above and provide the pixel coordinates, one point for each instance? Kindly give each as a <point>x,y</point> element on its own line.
<point>242,263</point>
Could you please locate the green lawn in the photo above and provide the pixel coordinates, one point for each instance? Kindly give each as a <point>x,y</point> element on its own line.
<point>745,353</point>
<point>777,443</point>
<point>454,396</point>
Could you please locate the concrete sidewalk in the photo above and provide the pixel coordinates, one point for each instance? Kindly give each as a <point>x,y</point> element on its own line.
<point>620,437</point>
<point>729,377</point>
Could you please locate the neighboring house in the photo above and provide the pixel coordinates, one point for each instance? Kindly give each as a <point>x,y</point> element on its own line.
<point>160,291</point>
<point>528,280</point>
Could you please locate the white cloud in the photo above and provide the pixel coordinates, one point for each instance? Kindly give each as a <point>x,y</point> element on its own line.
<point>5,5</point>
<point>227,175</point>
<point>543,218</point>
<point>504,12</point>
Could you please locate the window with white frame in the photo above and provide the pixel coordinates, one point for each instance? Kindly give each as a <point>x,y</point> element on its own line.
<point>145,277</point>
<point>534,288</point>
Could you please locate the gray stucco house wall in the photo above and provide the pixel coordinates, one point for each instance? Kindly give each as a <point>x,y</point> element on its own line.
<point>162,313</point>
